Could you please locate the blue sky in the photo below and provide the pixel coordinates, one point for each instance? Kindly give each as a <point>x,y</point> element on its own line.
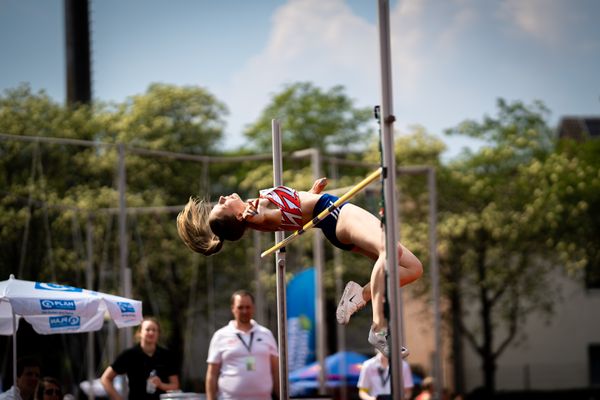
<point>451,58</point>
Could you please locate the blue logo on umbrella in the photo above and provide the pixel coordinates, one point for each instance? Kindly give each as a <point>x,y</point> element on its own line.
<point>56,288</point>
<point>66,321</point>
<point>57,305</point>
<point>126,308</point>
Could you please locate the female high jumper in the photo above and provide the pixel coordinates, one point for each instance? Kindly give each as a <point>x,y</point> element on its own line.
<point>204,228</point>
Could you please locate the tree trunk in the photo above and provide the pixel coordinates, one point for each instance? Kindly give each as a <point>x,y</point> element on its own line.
<point>489,364</point>
<point>457,334</point>
<point>489,373</point>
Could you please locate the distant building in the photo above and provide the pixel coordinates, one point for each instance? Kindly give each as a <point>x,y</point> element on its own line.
<point>560,353</point>
<point>582,129</point>
<point>579,128</point>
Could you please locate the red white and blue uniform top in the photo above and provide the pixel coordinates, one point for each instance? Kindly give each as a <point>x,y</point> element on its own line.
<point>288,201</point>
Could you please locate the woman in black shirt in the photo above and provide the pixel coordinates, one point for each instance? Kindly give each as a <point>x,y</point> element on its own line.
<point>149,367</point>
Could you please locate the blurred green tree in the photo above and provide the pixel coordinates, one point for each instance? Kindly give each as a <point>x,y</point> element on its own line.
<point>312,118</point>
<point>51,191</point>
<point>501,220</point>
<point>186,119</point>
<point>572,198</point>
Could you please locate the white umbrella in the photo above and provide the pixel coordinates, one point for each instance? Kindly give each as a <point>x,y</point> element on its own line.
<point>51,308</point>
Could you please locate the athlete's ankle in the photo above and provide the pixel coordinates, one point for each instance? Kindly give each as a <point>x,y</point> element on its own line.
<point>378,327</point>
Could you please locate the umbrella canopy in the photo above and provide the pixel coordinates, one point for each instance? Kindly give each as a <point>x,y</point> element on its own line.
<point>342,364</point>
<point>51,308</point>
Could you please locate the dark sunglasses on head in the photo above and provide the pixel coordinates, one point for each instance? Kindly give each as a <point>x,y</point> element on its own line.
<point>52,392</point>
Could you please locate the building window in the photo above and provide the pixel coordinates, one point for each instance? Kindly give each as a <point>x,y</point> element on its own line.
<point>594,363</point>
<point>592,276</point>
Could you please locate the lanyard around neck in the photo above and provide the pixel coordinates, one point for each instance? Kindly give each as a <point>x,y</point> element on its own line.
<point>248,346</point>
<point>383,378</point>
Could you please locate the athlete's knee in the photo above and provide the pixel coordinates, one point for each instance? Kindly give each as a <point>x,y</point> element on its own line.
<point>410,262</point>
<point>417,269</point>
<point>412,270</point>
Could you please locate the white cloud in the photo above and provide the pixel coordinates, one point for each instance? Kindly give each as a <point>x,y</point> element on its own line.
<point>311,40</point>
<point>326,43</point>
<point>458,22</point>
<point>540,19</point>
<point>406,36</point>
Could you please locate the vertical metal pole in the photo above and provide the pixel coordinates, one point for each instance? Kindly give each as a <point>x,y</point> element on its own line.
<point>77,49</point>
<point>259,292</point>
<point>280,271</point>
<point>14,357</point>
<point>111,344</point>
<point>210,298</point>
<point>126,339</point>
<point>389,183</point>
<point>435,283</point>
<point>89,282</point>
<point>319,261</point>
<point>210,281</point>
<point>339,287</point>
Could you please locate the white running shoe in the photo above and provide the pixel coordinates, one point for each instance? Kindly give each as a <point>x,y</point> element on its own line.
<point>351,301</point>
<point>379,340</point>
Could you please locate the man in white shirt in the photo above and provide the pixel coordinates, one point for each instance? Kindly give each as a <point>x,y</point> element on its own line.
<point>28,376</point>
<point>243,361</point>
<point>374,378</point>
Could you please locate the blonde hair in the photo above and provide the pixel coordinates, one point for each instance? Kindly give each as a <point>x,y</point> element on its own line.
<point>194,229</point>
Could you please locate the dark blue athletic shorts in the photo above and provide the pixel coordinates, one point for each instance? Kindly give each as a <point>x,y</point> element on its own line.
<point>329,223</point>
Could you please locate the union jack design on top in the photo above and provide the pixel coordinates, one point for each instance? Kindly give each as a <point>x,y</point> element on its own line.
<point>288,201</point>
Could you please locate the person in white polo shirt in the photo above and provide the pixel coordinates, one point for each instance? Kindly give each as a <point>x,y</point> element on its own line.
<point>243,362</point>
<point>374,378</point>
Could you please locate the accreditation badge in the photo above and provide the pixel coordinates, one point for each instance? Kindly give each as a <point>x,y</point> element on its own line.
<point>250,363</point>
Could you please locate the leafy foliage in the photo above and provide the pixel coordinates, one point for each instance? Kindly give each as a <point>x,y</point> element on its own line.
<point>503,220</point>
<point>311,117</point>
<point>167,117</point>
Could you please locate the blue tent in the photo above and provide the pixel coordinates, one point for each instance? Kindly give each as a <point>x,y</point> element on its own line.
<point>340,365</point>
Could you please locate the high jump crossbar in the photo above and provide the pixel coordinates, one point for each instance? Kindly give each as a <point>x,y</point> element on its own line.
<point>323,214</point>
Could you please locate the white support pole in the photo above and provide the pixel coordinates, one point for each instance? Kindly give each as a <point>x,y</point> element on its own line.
<point>259,292</point>
<point>89,282</point>
<point>319,261</point>
<point>210,297</point>
<point>14,357</point>
<point>389,182</point>
<point>339,288</point>
<point>435,284</point>
<point>124,272</point>
<point>280,271</point>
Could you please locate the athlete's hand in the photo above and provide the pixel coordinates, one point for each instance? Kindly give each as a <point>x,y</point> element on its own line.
<point>251,209</point>
<point>318,186</point>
